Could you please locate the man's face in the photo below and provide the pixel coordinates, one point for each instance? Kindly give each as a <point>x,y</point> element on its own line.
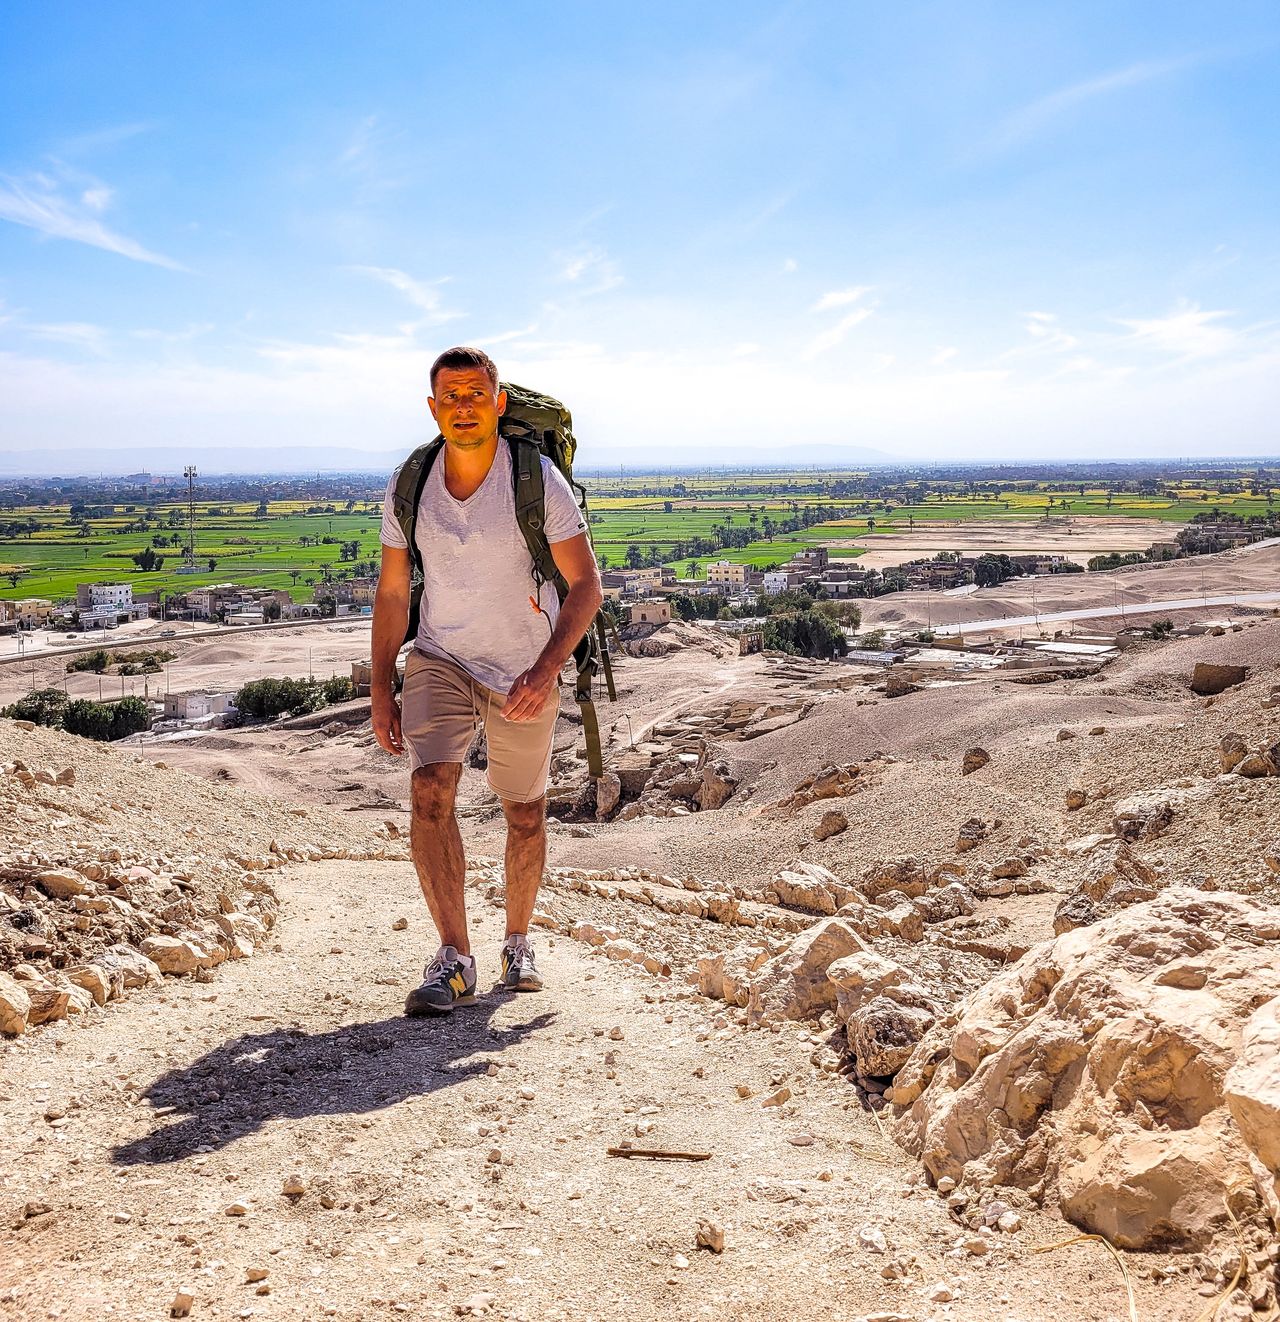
<point>466,406</point>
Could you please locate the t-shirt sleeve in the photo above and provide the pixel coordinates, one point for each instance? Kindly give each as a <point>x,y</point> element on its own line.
<point>391,533</point>
<point>563,517</point>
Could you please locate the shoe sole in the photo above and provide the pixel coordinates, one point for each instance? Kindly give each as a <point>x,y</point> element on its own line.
<point>438,1011</point>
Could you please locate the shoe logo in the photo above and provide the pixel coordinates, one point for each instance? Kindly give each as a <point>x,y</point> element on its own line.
<point>458,983</point>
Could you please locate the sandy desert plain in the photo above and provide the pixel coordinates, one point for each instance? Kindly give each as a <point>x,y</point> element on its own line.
<point>930,1014</point>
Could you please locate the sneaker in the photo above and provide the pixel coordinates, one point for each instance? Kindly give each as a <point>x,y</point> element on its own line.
<point>449,980</point>
<point>519,972</point>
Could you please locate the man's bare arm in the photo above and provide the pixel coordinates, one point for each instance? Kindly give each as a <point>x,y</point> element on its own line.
<point>390,619</point>
<point>577,562</point>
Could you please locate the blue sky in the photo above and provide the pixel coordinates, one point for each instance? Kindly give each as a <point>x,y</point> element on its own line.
<point>721,232</point>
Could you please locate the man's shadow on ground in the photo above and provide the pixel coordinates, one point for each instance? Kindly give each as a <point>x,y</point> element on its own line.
<point>236,1088</point>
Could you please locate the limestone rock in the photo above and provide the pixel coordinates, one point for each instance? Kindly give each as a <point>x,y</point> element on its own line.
<point>1252,1086</point>
<point>883,1033</point>
<point>710,1235</point>
<point>62,883</point>
<point>608,794</point>
<point>1142,816</point>
<point>1208,679</point>
<point>974,760</point>
<point>809,887</point>
<point>718,785</point>
<point>1082,1077</point>
<point>860,977</point>
<point>134,968</point>
<point>1010,868</point>
<point>1232,750</point>
<point>1256,765</point>
<point>1076,799</point>
<point>900,874</point>
<point>15,1006</point>
<point>727,975</point>
<point>1114,881</point>
<point>93,979</point>
<point>794,984</point>
<point>48,1003</point>
<point>832,823</point>
<point>971,834</point>
<point>171,954</point>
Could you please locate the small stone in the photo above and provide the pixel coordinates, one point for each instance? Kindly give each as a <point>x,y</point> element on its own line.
<point>236,1209</point>
<point>400,924</point>
<point>1010,1222</point>
<point>778,1098</point>
<point>742,1089</point>
<point>976,1246</point>
<point>710,1236</point>
<point>800,1140</point>
<point>872,1239</point>
<point>941,1293</point>
<point>680,1262</point>
<point>1076,799</point>
<point>495,1156</point>
<point>182,1304</point>
<point>121,1218</point>
<point>615,1034</point>
<point>253,1275</point>
<point>974,760</point>
<point>526,1094</point>
<point>476,1305</point>
<point>946,1184</point>
<point>293,1186</point>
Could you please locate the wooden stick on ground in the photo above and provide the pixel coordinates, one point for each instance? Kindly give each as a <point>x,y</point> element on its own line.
<point>658,1154</point>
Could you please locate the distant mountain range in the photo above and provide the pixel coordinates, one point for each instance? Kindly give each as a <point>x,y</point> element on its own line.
<point>88,462</point>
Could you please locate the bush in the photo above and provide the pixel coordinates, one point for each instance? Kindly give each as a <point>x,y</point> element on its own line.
<point>1161,629</point>
<point>44,707</point>
<point>268,698</point>
<point>805,633</point>
<point>129,716</point>
<point>337,689</point>
<point>872,640</point>
<point>925,636</point>
<point>97,661</point>
<point>843,611</point>
<point>91,720</point>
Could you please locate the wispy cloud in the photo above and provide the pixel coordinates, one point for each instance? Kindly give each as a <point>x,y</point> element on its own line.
<point>591,269</point>
<point>943,356</point>
<point>422,294</point>
<point>1188,332</point>
<point>790,266</point>
<point>77,334</point>
<point>834,335</point>
<point>1031,119</point>
<point>840,298</point>
<point>1044,329</point>
<point>39,203</point>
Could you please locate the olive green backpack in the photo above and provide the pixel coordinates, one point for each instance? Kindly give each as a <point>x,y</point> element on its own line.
<point>533,425</point>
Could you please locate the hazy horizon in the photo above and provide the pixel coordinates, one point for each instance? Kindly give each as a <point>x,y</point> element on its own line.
<point>935,235</point>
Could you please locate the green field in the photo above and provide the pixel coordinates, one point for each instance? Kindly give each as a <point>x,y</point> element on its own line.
<point>754,519</point>
<point>260,552</point>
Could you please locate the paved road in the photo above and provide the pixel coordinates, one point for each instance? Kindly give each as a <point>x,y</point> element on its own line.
<point>1101,612</point>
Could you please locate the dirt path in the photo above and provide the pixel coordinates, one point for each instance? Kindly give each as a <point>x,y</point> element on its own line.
<point>458,1167</point>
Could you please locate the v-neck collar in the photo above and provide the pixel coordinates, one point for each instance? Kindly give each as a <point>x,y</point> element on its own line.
<point>488,477</point>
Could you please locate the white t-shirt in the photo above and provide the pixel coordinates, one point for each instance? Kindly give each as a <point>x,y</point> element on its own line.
<point>478,573</point>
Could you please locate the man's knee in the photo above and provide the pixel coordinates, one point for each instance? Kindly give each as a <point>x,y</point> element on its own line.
<point>434,790</point>
<point>525,819</point>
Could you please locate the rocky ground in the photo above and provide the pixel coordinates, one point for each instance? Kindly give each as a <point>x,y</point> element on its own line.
<point>926,975</point>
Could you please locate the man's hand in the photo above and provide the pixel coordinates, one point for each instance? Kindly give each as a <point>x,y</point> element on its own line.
<point>384,709</point>
<point>529,694</point>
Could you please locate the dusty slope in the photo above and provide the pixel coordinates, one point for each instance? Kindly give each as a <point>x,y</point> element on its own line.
<point>185,1100</point>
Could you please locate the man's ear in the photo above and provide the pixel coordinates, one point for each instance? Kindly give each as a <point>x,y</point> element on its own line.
<point>431,404</point>
<point>502,402</point>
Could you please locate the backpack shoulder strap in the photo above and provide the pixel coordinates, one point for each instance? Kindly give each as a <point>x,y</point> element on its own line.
<point>406,495</point>
<point>531,511</point>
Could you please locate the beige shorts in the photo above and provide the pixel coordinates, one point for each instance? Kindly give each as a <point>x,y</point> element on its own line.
<point>441,706</point>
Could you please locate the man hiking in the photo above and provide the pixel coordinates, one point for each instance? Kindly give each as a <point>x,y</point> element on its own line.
<point>492,639</point>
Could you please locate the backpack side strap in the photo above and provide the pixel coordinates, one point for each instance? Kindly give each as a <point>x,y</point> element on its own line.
<point>406,496</point>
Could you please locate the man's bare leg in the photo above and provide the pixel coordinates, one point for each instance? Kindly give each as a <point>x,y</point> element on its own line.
<point>526,855</point>
<point>437,851</point>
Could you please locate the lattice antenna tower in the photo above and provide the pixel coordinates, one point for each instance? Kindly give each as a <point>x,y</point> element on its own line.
<point>189,552</point>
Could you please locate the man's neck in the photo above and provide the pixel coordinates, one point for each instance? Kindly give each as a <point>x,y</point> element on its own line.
<point>465,468</point>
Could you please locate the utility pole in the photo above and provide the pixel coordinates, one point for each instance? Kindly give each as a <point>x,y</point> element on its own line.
<point>189,551</point>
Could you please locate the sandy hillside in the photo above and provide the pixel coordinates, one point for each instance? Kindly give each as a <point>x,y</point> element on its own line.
<point>698,966</point>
